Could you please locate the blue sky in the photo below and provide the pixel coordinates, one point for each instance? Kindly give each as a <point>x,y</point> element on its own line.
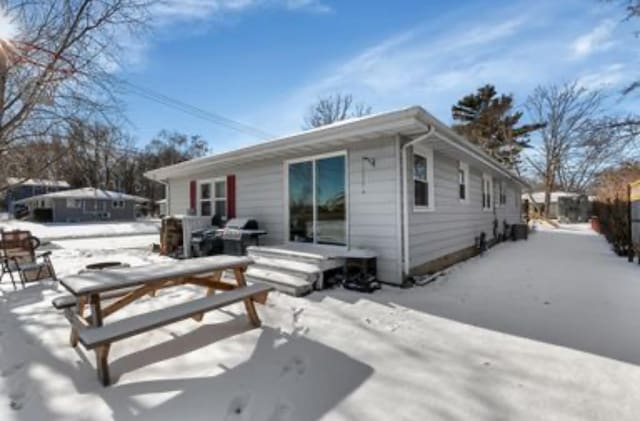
<point>263,62</point>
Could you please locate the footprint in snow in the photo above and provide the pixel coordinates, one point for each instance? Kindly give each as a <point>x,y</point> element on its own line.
<point>16,400</point>
<point>12,370</point>
<point>295,365</point>
<point>281,412</point>
<point>238,407</point>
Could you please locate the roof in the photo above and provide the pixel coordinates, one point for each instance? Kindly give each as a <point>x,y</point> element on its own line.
<point>86,193</point>
<point>410,122</point>
<point>36,182</point>
<point>538,197</point>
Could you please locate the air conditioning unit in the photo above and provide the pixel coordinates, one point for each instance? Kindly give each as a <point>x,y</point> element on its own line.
<point>105,215</point>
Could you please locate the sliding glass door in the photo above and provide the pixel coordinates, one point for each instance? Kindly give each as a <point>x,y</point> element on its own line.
<point>317,201</point>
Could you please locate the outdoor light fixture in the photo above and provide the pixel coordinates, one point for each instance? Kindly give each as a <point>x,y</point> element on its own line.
<point>371,161</point>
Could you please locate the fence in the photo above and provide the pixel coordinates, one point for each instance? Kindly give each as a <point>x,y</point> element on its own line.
<point>619,221</point>
<point>634,216</point>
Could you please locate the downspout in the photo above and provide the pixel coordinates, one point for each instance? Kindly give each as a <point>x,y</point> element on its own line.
<point>405,206</point>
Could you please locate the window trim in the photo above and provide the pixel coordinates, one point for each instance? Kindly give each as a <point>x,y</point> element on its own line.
<point>464,167</point>
<point>285,179</point>
<point>487,189</point>
<point>502,194</point>
<point>426,153</point>
<point>213,199</point>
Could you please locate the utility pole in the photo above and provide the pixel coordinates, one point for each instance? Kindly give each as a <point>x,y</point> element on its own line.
<point>4,69</point>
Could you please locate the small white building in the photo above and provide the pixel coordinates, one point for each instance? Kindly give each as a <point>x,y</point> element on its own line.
<point>400,183</point>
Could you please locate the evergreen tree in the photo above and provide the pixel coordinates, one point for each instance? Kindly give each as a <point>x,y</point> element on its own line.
<point>487,120</point>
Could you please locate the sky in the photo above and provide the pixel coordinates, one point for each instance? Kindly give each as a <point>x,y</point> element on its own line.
<point>263,62</point>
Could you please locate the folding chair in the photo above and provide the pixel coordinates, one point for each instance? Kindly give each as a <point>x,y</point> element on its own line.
<point>17,254</point>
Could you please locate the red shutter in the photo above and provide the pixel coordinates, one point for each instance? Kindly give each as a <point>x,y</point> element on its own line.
<point>231,196</point>
<point>192,196</point>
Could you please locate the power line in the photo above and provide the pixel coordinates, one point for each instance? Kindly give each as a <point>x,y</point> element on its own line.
<point>194,111</point>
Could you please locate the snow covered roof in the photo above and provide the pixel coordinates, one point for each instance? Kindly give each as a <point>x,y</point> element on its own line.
<point>86,193</point>
<point>538,197</point>
<point>410,122</point>
<point>37,182</point>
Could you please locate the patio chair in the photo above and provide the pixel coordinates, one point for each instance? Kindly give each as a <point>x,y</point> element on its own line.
<point>18,254</point>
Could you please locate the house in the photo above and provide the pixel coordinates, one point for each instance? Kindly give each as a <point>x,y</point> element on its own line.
<point>564,206</point>
<point>18,189</point>
<point>86,204</point>
<point>400,183</point>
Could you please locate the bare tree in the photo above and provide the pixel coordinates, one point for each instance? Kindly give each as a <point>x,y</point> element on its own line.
<point>58,67</point>
<point>569,111</point>
<point>602,144</point>
<point>334,108</point>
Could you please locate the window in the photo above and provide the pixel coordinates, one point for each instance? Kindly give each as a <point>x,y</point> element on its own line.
<point>463,181</point>
<point>502,194</point>
<point>317,188</point>
<point>487,189</point>
<point>117,204</point>
<point>423,179</point>
<point>74,203</point>
<point>212,198</point>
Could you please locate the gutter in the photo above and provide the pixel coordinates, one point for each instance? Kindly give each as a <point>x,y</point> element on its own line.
<point>405,206</point>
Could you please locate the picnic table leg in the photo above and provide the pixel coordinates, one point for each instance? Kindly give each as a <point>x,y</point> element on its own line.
<point>102,364</point>
<point>102,352</point>
<point>252,314</point>
<point>210,291</point>
<point>80,304</point>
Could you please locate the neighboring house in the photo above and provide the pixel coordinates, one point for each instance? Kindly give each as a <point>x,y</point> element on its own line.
<point>162,207</point>
<point>564,206</point>
<point>86,204</point>
<point>19,189</point>
<point>400,183</point>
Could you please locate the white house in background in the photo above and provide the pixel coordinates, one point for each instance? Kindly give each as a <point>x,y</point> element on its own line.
<point>565,206</point>
<point>85,204</point>
<point>400,183</point>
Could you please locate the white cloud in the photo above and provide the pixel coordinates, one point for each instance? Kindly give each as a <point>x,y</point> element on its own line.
<point>598,39</point>
<point>612,75</point>
<point>417,66</point>
<point>168,11</point>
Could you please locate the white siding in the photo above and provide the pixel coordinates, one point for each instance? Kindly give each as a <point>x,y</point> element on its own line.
<point>453,225</point>
<point>372,204</point>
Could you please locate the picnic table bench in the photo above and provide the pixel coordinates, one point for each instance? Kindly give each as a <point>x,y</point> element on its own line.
<point>122,286</point>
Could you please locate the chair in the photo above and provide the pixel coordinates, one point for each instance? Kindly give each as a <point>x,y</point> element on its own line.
<point>17,254</point>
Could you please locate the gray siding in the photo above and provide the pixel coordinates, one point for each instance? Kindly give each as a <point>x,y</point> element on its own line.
<point>453,225</point>
<point>372,204</point>
<point>92,209</point>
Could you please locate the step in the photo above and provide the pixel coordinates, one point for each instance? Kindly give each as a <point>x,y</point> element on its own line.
<point>302,258</point>
<point>285,282</point>
<point>289,265</point>
<point>285,253</point>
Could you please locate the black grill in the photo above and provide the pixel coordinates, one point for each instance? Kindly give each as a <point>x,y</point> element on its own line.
<point>240,233</point>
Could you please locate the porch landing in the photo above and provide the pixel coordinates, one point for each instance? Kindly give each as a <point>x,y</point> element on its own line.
<point>298,268</point>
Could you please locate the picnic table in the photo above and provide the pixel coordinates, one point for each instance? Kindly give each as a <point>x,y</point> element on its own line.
<point>122,286</point>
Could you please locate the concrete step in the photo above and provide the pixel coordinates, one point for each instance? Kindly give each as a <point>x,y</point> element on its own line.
<point>306,260</point>
<point>294,284</point>
<point>288,265</point>
<point>300,256</point>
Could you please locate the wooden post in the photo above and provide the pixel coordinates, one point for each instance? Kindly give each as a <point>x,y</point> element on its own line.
<point>252,314</point>
<point>210,291</point>
<point>80,304</point>
<point>102,364</point>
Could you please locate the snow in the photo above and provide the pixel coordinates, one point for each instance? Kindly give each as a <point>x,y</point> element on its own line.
<point>538,329</point>
<point>86,193</point>
<point>65,231</point>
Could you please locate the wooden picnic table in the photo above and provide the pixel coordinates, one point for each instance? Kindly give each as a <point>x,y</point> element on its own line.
<point>126,285</point>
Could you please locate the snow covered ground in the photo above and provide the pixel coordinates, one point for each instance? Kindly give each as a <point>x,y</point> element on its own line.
<point>64,231</point>
<point>543,329</point>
